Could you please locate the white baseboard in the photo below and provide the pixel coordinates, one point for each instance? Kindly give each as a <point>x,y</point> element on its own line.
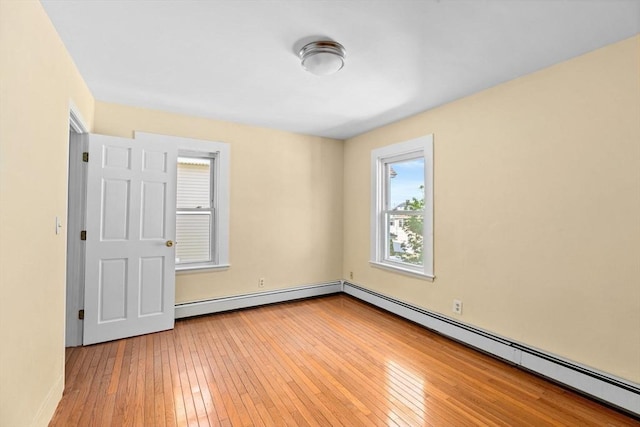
<point>600,385</point>
<point>218,305</point>
<point>49,405</point>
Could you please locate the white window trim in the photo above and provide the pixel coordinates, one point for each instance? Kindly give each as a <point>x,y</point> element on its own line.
<point>221,194</point>
<point>379,156</point>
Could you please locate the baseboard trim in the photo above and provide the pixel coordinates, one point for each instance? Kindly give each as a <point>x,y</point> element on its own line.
<point>599,385</point>
<point>236,302</point>
<point>50,404</point>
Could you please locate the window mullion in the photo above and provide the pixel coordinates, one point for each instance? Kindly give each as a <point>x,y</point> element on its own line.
<point>196,210</point>
<point>401,212</point>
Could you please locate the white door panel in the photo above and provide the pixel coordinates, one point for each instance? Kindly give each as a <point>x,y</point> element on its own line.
<point>129,280</point>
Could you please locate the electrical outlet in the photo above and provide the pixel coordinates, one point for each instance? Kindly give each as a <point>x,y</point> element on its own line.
<point>457,306</point>
<point>261,282</point>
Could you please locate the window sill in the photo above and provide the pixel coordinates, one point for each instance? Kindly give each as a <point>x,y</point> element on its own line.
<point>400,270</point>
<point>197,268</point>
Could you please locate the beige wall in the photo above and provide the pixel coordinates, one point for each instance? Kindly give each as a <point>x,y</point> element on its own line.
<point>537,209</point>
<point>286,201</point>
<point>37,82</point>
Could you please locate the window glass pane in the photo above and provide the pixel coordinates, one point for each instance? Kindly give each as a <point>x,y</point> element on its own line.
<point>404,238</point>
<point>193,236</point>
<point>406,184</point>
<point>193,182</point>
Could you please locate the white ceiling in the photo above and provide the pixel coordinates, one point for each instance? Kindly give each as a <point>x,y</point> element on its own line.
<point>235,60</point>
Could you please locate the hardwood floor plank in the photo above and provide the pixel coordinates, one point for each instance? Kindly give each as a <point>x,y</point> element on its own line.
<point>87,370</point>
<point>92,408</point>
<point>177,391</point>
<point>232,385</point>
<point>117,368</point>
<point>331,361</point>
<point>192,377</point>
<point>210,381</point>
<point>154,371</point>
<point>167,385</point>
<point>121,394</point>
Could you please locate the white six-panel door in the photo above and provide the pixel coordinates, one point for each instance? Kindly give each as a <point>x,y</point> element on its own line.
<point>130,256</point>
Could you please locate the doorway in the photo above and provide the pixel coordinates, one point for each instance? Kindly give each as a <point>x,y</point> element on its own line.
<point>120,250</point>
<point>76,203</point>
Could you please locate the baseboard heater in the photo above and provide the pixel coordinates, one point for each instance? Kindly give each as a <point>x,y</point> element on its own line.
<point>599,385</point>
<point>613,391</point>
<point>236,302</point>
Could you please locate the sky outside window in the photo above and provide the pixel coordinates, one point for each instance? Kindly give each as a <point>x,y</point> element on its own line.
<point>407,177</point>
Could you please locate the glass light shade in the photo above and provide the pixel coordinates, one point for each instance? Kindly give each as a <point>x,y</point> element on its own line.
<point>322,57</point>
<point>323,63</point>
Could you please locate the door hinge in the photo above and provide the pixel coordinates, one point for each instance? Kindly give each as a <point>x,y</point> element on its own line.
<point>85,157</point>
<point>81,314</point>
<point>83,235</point>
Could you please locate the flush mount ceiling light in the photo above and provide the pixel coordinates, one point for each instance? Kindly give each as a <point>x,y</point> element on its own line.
<point>322,57</point>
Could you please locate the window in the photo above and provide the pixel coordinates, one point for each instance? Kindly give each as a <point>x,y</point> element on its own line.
<point>195,214</point>
<point>202,205</point>
<point>402,207</point>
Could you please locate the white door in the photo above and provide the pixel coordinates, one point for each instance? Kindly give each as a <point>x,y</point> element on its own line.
<point>130,228</point>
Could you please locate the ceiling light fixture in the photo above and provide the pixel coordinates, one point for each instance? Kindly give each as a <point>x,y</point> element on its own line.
<point>322,57</point>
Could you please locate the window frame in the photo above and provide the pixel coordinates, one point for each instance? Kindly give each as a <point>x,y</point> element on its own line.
<point>421,147</point>
<point>211,209</point>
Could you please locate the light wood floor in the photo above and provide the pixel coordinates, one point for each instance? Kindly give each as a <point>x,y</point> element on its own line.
<point>331,361</point>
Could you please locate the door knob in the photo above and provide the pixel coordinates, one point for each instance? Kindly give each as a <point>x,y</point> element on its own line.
<point>169,243</point>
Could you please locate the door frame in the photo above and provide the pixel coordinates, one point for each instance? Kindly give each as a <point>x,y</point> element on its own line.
<point>76,203</point>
